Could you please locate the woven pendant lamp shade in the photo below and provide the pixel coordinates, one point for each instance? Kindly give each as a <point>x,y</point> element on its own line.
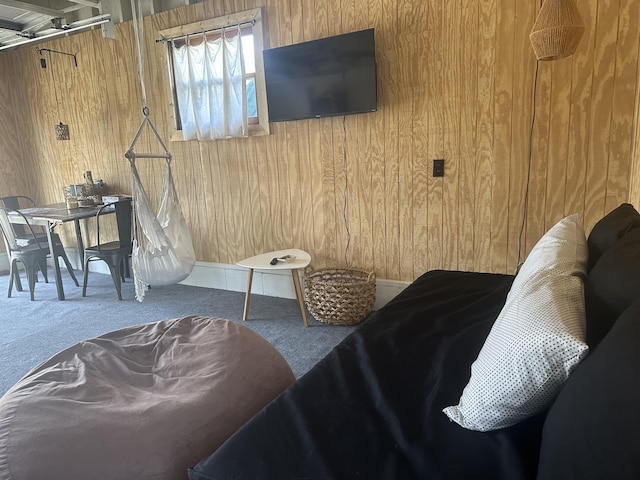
<point>557,31</point>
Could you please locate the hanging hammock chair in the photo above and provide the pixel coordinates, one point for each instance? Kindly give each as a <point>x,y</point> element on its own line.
<point>162,248</point>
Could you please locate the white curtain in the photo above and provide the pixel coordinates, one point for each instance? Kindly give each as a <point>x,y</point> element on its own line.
<point>211,87</point>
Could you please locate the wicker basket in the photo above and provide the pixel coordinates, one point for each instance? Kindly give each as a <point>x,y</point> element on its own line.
<point>339,296</point>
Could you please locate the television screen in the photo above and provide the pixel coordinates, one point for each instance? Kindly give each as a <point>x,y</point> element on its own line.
<point>321,78</point>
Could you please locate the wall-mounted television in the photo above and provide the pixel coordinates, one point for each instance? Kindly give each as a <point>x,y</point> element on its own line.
<point>321,78</point>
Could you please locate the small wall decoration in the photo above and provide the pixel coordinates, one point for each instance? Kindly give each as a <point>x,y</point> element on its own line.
<point>61,129</point>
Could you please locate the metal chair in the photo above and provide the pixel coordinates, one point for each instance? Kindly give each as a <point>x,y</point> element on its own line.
<point>25,238</point>
<point>115,253</point>
<point>33,255</point>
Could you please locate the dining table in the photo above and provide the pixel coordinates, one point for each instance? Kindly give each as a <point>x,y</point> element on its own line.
<point>56,214</point>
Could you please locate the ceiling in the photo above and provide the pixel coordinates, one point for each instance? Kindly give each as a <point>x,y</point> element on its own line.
<point>27,22</point>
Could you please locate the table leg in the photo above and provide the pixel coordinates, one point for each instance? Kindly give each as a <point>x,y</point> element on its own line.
<point>296,285</point>
<point>80,243</point>
<point>56,265</point>
<point>248,294</point>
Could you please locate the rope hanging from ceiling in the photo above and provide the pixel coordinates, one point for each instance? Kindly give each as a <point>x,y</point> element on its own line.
<point>162,247</point>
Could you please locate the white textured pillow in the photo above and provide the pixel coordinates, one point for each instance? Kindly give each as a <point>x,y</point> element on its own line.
<point>536,341</point>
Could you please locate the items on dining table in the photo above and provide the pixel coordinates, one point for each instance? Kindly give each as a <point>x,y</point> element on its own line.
<point>72,202</point>
<point>84,194</point>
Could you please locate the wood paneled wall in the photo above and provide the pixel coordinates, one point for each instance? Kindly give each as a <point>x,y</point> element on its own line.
<point>455,81</point>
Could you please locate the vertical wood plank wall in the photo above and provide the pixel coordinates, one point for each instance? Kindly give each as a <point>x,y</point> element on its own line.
<point>455,81</point>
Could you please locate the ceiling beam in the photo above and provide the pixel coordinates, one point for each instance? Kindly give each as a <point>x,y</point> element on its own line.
<point>7,25</point>
<point>32,8</point>
<point>74,7</point>
<point>87,3</point>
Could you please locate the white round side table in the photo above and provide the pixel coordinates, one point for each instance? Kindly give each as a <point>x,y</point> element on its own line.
<point>291,259</point>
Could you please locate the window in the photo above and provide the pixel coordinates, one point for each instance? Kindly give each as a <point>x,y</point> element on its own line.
<point>250,75</point>
<point>250,23</point>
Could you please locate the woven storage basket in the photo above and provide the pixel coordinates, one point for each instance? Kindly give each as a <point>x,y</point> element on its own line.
<point>339,296</point>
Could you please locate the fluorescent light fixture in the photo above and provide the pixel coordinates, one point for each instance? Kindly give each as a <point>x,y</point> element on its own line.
<point>66,30</point>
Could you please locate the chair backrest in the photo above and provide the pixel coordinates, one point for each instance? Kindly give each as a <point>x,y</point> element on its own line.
<point>9,229</point>
<point>123,220</point>
<point>16,202</point>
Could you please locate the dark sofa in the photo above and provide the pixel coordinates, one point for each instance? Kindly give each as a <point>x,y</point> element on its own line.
<point>373,407</point>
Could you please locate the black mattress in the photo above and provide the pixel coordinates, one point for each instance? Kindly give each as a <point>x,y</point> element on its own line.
<point>372,408</point>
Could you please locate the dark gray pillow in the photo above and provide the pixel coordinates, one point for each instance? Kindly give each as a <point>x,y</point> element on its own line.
<point>612,285</point>
<point>591,431</point>
<point>606,233</point>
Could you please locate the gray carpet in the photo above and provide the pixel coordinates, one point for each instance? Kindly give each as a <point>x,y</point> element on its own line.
<point>31,332</point>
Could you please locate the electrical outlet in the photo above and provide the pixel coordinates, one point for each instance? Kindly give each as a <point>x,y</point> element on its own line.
<point>438,168</point>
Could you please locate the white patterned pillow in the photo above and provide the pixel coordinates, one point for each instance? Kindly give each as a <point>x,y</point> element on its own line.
<point>537,339</point>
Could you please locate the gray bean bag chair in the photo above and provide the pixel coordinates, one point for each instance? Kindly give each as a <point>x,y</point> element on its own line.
<point>145,402</point>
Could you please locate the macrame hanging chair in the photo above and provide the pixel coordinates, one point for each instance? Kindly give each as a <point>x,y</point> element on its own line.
<point>162,247</point>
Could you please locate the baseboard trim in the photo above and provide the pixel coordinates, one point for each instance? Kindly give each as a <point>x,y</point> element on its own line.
<point>273,284</point>
<point>233,278</point>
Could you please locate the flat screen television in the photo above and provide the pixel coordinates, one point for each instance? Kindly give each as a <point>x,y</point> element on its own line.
<point>321,78</point>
